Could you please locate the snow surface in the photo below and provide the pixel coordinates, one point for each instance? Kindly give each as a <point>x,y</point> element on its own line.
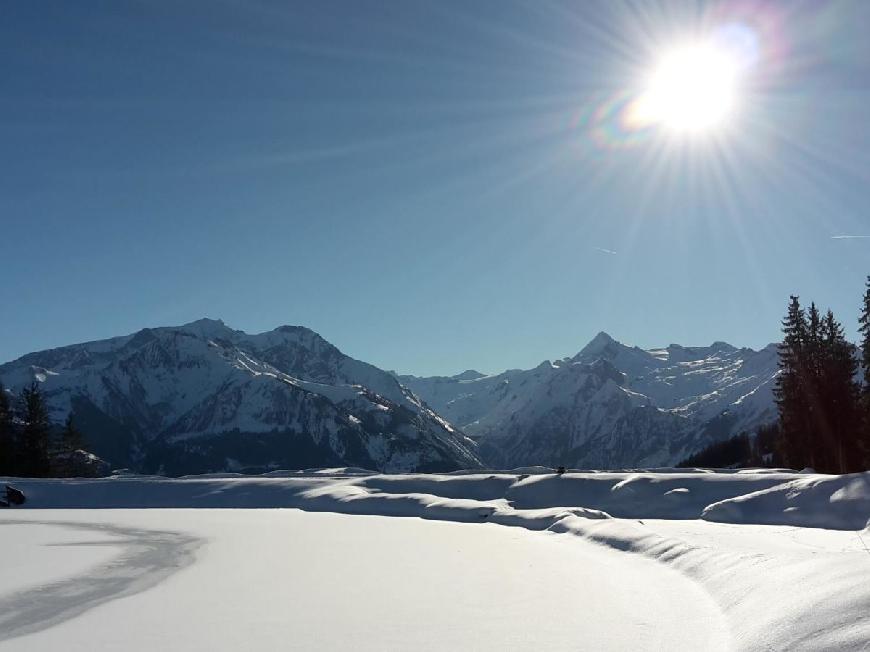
<point>34,551</point>
<point>286,579</point>
<point>662,571</point>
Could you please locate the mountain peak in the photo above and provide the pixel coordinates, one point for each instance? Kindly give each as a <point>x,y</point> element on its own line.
<point>298,331</point>
<point>597,345</point>
<point>296,335</point>
<point>206,321</point>
<point>290,328</point>
<point>206,327</point>
<point>469,374</point>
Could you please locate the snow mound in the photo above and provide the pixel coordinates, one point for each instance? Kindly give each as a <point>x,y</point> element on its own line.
<point>815,599</point>
<point>832,502</point>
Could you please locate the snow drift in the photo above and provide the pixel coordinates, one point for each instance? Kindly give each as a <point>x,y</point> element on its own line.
<point>763,497</point>
<point>838,502</point>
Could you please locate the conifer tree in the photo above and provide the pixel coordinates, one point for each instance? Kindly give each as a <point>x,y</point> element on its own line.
<point>766,451</point>
<point>817,434</point>
<point>816,394</point>
<point>864,329</point>
<point>67,443</point>
<point>71,438</point>
<point>789,391</point>
<point>35,433</point>
<point>7,436</point>
<point>842,452</point>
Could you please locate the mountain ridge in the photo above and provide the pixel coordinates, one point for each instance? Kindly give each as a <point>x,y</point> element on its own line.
<point>205,397</point>
<point>658,406</point>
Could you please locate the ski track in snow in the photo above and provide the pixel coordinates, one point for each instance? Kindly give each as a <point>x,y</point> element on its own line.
<point>147,558</point>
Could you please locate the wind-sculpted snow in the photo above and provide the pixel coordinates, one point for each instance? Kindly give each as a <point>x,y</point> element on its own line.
<point>839,502</point>
<point>808,598</point>
<point>779,587</point>
<point>762,497</point>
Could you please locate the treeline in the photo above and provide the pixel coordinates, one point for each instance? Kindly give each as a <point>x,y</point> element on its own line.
<point>31,447</point>
<point>823,403</point>
<point>742,450</point>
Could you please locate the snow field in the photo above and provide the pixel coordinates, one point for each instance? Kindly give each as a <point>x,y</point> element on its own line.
<point>293,580</point>
<point>775,586</point>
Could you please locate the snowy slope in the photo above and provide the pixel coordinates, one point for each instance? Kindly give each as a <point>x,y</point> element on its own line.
<point>610,405</point>
<point>204,397</point>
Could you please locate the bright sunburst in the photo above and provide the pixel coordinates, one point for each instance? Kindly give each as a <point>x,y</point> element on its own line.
<point>692,88</point>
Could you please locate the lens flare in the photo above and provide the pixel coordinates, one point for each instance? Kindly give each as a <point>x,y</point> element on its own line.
<point>693,87</point>
<point>693,90</point>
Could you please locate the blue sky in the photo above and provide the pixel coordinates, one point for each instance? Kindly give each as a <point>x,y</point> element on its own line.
<point>432,186</point>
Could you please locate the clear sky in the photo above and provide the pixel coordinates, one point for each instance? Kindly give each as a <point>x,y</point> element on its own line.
<point>432,186</point>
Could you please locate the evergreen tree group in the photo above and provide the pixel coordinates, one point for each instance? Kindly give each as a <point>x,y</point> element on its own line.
<point>7,435</point>
<point>864,329</point>
<point>824,408</point>
<point>35,434</point>
<point>741,450</point>
<point>29,445</point>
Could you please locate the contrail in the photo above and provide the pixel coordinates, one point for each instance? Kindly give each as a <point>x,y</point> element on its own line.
<point>849,237</point>
<point>604,251</point>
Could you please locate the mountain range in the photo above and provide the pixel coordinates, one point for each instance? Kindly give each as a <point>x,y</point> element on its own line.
<point>609,406</point>
<point>204,397</point>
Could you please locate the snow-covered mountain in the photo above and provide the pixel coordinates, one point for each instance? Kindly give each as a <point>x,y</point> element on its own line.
<point>610,405</point>
<point>204,397</point>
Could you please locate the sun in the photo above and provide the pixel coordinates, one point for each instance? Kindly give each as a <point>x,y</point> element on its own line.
<point>692,89</point>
